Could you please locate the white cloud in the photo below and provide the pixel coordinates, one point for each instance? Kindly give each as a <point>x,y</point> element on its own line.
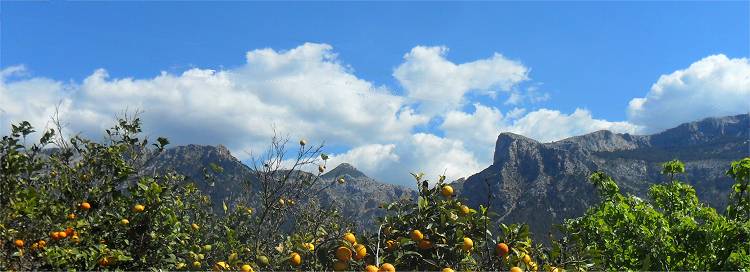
<point>547,125</point>
<point>371,158</point>
<point>439,85</point>
<point>712,86</point>
<point>479,129</point>
<point>32,100</point>
<point>304,92</point>
<point>421,152</point>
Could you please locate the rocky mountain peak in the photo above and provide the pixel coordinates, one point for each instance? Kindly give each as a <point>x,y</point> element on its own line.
<point>344,169</point>
<point>508,143</point>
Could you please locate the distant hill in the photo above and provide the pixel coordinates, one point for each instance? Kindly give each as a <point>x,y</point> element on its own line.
<point>359,197</point>
<point>544,183</point>
<point>532,182</point>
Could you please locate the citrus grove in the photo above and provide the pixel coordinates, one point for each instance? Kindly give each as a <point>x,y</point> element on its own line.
<point>74,203</point>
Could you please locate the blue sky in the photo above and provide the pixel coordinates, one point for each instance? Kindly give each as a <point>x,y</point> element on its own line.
<point>592,56</point>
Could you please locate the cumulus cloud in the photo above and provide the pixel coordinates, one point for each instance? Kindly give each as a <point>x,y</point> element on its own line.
<point>307,92</point>
<point>421,152</point>
<point>439,85</point>
<point>304,92</point>
<point>547,125</point>
<point>713,86</point>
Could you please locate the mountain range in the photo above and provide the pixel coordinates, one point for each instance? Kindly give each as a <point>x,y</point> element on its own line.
<point>536,183</point>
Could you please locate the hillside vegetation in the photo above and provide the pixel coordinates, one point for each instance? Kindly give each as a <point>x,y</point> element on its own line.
<point>91,205</point>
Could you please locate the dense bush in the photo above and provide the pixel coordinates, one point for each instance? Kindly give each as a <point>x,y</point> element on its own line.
<point>93,206</point>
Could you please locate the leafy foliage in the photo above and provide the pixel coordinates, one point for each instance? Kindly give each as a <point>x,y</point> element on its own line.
<point>91,205</point>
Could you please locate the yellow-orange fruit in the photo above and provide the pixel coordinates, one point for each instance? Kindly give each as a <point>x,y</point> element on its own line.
<point>526,259</point>
<point>349,237</point>
<point>467,244</point>
<point>387,267</point>
<point>371,268</point>
<point>416,235</point>
<point>447,191</point>
<point>361,252</point>
<point>296,259</point>
<point>343,253</point>
<point>502,249</point>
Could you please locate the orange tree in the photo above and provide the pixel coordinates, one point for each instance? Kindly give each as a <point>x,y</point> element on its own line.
<point>87,205</point>
<point>672,231</point>
<point>438,232</point>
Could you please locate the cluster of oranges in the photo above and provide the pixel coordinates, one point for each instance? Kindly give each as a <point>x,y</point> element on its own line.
<point>68,232</point>
<point>351,250</point>
<point>503,251</point>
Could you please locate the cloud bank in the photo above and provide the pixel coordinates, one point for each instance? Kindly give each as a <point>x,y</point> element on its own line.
<point>713,86</point>
<point>307,92</point>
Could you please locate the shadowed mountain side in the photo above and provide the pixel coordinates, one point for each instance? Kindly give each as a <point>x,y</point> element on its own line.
<point>544,183</point>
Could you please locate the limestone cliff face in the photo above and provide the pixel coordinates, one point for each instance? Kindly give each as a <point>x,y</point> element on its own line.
<point>544,183</point>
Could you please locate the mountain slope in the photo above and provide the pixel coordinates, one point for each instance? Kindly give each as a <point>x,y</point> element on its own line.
<point>359,197</point>
<point>544,183</point>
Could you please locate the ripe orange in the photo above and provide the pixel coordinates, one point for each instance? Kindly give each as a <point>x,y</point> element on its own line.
<point>387,267</point>
<point>371,268</point>
<point>62,234</point>
<point>349,237</point>
<point>69,231</point>
<point>296,259</point>
<point>424,244</point>
<point>361,252</point>
<point>139,208</point>
<point>340,266</point>
<point>502,249</point>
<point>468,244</point>
<point>85,205</point>
<point>447,191</point>
<point>343,253</point>
<point>526,259</point>
<point>308,246</point>
<point>416,235</point>
<point>516,269</point>
<point>42,243</point>
<point>55,235</point>
<point>465,210</point>
<point>533,266</point>
<point>19,243</point>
